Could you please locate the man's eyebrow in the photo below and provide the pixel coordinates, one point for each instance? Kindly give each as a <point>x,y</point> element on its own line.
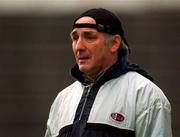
<point>86,32</point>
<point>90,33</point>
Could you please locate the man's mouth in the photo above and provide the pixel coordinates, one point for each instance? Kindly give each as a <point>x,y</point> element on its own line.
<point>83,58</point>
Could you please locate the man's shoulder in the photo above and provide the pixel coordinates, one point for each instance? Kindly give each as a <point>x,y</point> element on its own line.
<point>139,82</point>
<point>67,93</point>
<point>68,89</point>
<point>136,78</point>
<point>147,92</point>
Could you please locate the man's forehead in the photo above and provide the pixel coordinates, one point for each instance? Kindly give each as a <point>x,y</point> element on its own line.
<point>85,19</point>
<point>87,24</point>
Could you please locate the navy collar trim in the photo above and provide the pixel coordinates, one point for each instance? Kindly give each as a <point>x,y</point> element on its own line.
<point>122,66</point>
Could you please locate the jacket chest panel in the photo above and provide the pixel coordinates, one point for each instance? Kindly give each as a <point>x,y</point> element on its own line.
<point>114,105</point>
<point>68,106</point>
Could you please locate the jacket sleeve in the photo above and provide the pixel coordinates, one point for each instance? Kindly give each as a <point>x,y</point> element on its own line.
<point>155,121</point>
<point>48,133</point>
<point>52,117</point>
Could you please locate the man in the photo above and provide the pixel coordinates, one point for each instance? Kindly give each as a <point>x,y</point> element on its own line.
<point>111,97</point>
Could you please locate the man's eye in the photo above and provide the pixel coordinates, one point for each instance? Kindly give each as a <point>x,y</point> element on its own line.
<point>91,37</point>
<point>74,38</point>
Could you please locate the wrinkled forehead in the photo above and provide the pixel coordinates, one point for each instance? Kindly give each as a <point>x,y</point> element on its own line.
<point>85,23</point>
<point>78,31</point>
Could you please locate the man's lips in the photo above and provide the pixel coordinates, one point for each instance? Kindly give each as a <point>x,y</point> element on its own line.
<point>83,58</point>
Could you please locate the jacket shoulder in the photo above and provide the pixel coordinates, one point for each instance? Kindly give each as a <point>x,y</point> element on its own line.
<point>148,94</point>
<point>68,90</point>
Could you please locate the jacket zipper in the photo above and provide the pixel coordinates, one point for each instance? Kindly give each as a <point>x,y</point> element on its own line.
<point>84,103</point>
<point>89,88</point>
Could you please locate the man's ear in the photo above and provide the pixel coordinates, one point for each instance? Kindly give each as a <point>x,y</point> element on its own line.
<point>116,43</point>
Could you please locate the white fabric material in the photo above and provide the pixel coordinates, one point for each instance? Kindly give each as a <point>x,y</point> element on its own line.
<point>145,108</point>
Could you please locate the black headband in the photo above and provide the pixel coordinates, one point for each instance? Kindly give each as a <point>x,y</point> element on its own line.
<point>98,27</point>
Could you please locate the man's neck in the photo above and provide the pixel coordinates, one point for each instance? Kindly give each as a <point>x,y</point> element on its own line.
<point>95,76</point>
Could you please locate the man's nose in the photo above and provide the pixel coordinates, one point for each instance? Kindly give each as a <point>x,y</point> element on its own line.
<point>80,44</point>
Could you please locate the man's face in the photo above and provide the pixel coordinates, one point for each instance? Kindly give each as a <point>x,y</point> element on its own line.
<point>89,48</point>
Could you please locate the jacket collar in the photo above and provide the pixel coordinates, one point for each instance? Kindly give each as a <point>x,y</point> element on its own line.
<point>114,71</point>
<point>122,66</point>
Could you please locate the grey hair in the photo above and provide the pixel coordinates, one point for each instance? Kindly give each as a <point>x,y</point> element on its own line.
<point>109,38</point>
<point>123,50</point>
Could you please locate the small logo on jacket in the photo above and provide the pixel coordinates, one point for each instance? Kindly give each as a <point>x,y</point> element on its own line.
<point>117,116</point>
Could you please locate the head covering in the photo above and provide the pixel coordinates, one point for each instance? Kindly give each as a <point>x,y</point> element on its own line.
<point>106,21</point>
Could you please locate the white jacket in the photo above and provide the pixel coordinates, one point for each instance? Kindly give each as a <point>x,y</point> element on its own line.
<point>129,105</point>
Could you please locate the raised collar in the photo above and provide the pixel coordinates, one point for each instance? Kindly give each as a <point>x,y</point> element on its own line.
<point>114,71</point>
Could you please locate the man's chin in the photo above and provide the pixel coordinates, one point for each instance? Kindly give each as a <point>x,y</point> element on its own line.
<point>83,68</point>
